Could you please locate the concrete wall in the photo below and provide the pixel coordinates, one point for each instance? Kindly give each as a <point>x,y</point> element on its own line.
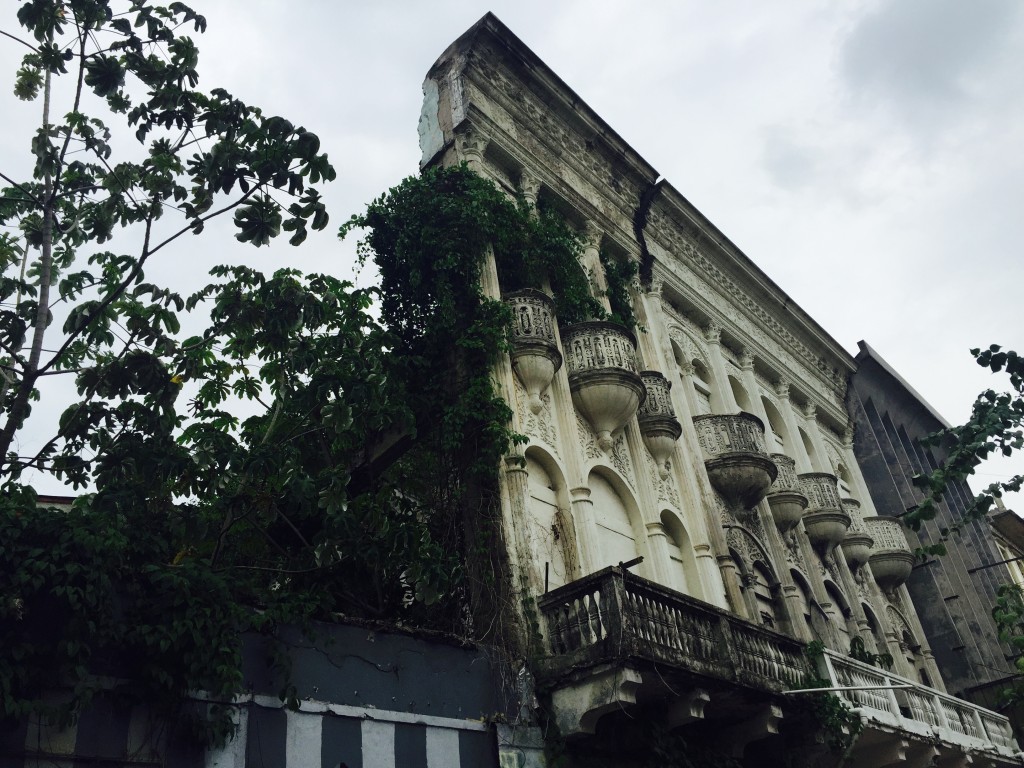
<point>367,699</point>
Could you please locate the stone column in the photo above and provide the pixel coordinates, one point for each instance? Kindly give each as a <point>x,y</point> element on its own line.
<point>753,391</point>
<point>794,603</point>
<point>720,389</point>
<point>657,545</point>
<point>516,524</point>
<point>592,236</point>
<point>529,186</point>
<point>796,449</point>
<point>810,414</point>
<point>586,528</point>
<point>687,463</point>
<point>471,144</point>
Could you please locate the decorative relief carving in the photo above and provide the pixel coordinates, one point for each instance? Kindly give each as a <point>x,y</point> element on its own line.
<point>887,533</point>
<point>665,488</point>
<point>723,434</point>
<point>725,515</point>
<point>532,317</point>
<point>821,491</point>
<point>794,555</point>
<point>748,547</point>
<point>746,359</point>
<point>899,624</point>
<point>471,143</point>
<point>690,349</point>
<point>835,457</point>
<point>753,524</point>
<point>598,345</point>
<point>829,562</point>
<point>713,333</point>
<point>860,579</point>
<point>621,460</point>
<point>538,118</point>
<point>704,277</point>
<point>587,438</point>
<point>538,425</point>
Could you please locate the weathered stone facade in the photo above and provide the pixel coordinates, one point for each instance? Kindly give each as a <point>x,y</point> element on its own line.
<point>671,568</point>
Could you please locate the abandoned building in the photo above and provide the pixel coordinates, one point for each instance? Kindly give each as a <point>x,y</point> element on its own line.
<point>692,511</point>
<point>689,512</point>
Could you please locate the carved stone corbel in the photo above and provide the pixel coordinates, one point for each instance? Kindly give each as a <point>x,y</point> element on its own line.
<point>687,708</point>
<point>580,704</point>
<point>891,751</point>
<point>760,726</point>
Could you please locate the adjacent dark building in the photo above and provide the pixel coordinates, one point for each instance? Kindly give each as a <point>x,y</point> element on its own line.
<point>954,595</point>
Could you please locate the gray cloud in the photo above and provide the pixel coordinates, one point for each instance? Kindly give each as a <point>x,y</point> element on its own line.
<point>921,57</point>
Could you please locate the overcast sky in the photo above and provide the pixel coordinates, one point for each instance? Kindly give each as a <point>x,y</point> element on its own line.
<point>866,155</point>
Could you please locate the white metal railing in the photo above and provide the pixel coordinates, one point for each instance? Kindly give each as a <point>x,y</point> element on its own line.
<point>917,708</point>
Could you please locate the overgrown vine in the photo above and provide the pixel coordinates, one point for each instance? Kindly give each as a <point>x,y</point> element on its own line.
<point>840,724</point>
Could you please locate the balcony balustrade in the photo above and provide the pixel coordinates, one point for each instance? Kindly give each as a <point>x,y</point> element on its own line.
<point>613,615</point>
<point>535,355</point>
<point>857,543</point>
<point>735,457</point>
<point>891,560</point>
<point>657,420</point>
<point>603,380</point>
<point>825,522</point>
<point>956,725</point>
<point>784,498</point>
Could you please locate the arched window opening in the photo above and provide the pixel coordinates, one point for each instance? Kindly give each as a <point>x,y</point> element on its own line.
<point>778,426</point>
<point>812,455</point>
<point>806,605</point>
<point>876,631</point>
<point>616,537</point>
<point>681,557</point>
<point>547,536</point>
<point>739,393</point>
<point>914,656</point>
<point>702,387</point>
<point>762,586</point>
<point>845,485</point>
<point>842,614</point>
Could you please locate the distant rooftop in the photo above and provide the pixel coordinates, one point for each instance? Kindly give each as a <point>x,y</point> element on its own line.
<point>867,352</point>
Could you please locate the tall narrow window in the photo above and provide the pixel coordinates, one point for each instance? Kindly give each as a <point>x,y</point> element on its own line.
<point>615,530</point>
<point>545,535</point>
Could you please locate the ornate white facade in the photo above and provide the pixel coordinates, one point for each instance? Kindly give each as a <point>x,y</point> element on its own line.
<point>691,488</point>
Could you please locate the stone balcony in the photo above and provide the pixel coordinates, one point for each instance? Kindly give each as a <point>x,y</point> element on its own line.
<point>613,636</point>
<point>735,457</point>
<point>915,724</point>
<point>621,646</point>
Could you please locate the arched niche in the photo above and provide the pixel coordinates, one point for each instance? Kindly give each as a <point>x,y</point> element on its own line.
<point>760,587</point>
<point>910,646</point>
<point>841,616</point>
<point>780,435</point>
<point>616,519</point>
<point>692,365</point>
<point>807,608</point>
<point>739,393</point>
<point>551,533</point>
<point>765,588</point>
<point>875,628</point>
<point>682,562</point>
<point>845,481</point>
<point>812,455</point>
